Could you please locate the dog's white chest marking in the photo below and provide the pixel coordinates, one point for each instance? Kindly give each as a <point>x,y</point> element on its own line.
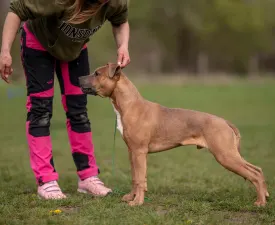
<point>118,120</point>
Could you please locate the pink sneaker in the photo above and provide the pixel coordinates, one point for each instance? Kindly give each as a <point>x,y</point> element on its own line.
<point>93,186</point>
<point>50,190</point>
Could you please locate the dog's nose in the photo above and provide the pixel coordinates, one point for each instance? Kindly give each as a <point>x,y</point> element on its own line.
<point>83,81</point>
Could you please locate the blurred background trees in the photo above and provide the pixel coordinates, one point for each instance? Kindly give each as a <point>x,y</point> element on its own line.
<point>190,36</point>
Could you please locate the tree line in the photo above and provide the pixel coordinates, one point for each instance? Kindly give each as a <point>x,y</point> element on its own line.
<point>192,36</point>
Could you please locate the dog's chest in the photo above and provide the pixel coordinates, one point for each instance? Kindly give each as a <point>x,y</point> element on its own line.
<point>118,120</point>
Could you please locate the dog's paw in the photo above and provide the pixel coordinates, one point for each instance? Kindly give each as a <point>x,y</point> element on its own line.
<point>260,203</point>
<point>128,197</point>
<point>135,203</point>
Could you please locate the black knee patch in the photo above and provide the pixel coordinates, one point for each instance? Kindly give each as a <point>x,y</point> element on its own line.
<point>81,161</point>
<point>77,113</point>
<point>40,116</point>
<point>79,67</point>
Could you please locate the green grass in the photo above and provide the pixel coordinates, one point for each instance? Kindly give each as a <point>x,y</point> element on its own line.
<point>186,185</point>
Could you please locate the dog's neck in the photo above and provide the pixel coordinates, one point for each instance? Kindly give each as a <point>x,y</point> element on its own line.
<point>124,94</point>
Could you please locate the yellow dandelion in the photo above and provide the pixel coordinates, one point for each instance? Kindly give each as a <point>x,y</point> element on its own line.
<point>55,212</point>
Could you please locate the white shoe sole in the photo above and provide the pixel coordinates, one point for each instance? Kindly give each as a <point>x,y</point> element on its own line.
<point>42,198</point>
<point>82,191</point>
<point>87,192</point>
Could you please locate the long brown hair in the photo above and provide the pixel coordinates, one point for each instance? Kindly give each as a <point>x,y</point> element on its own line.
<point>79,11</point>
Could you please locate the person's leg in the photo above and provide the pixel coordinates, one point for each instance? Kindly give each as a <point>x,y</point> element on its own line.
<point>39,71</point>
<point>78,124</point>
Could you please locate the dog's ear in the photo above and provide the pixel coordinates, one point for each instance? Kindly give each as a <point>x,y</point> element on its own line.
<point>114,70</point>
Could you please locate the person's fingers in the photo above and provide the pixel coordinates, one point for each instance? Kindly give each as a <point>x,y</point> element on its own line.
<point>7,72</point>
<point>5,78</point>
<point>124,61</point>
<point>119,58</point>
<point>2,73</point>
<point>128,61</point>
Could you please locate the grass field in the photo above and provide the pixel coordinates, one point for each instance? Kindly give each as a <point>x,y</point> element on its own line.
<point>186,185</point>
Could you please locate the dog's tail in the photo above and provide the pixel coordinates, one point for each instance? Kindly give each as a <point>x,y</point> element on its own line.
<point>237,133</point>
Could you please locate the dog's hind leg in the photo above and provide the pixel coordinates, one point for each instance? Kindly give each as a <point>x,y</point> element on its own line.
<point>226,150</point>
<point>252,167</point>
<point>233,162</point>
<point>256,169</point>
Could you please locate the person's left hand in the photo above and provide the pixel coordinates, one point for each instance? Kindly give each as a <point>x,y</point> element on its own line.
<point>123,58</point>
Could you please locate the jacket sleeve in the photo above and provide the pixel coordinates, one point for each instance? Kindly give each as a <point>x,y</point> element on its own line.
<point>32,9</point>
<point>119,13</point>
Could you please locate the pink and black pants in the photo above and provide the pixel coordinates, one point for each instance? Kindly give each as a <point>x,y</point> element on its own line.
<point>39,68</point>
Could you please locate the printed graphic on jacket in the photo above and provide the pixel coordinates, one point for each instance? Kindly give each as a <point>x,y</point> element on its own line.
<point>77,34</point>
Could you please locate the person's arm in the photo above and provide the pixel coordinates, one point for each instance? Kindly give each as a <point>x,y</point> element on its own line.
<point>122,35</point>
<point>121,31</point>
<point>11,26</point>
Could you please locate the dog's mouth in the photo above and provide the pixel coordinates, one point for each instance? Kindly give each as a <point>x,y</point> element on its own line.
<point>89,91</point>
<point>85,83</point>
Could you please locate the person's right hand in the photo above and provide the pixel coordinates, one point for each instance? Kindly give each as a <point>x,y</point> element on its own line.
<point>5,66</point>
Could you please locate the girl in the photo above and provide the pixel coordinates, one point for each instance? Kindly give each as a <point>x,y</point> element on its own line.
<point>53,39</point>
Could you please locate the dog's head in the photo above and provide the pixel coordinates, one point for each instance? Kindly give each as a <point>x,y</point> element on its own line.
<point>102,82</point>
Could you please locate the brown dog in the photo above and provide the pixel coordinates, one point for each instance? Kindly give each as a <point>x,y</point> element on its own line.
<point>148,127</point>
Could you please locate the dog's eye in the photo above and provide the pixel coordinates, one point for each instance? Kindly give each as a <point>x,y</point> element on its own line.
<point>96,73</point>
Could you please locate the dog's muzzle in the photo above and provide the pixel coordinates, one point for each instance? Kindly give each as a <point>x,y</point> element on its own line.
<point>86,87</point>
<point>89,91</point>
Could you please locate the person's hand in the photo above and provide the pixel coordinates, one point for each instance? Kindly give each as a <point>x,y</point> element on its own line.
<point>123,58</point>
<point>5,66</point>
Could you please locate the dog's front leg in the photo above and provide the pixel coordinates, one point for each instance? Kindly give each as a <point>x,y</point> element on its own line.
<point>130,196</point>
<point>139,163</point>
